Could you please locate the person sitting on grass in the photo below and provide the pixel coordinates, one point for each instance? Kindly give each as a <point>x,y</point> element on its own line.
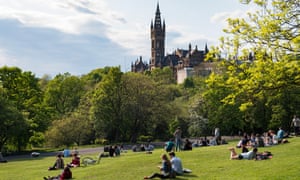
<point>66,174</point>
<point>246,155</point>
<point>177,165</point>
<point>165,169</point>
<point>75,161</point>
<point>59,163</point>
<point>187,145</point>
<point>169,145</point>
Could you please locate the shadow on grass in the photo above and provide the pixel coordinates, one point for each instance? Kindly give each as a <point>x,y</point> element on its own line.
<point>186,176</point>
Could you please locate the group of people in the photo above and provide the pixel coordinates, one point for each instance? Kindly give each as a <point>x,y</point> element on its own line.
<point>60,164</point>
<point>144,147</point>
<point>256,140</point>
<point>170,167</point>
<point>267,139</point>
<point>114,150</point>
<point>171,146</point>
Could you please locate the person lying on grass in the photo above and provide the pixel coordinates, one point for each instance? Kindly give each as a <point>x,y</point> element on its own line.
<point>253,154</point>
<point>246,155</point>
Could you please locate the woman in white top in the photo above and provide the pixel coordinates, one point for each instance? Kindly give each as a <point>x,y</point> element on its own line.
<point>247,155</point>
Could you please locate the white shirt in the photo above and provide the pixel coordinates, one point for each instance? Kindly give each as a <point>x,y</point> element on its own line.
<point>296,122</point>
<point>248,155</point>
<point>177,165</point>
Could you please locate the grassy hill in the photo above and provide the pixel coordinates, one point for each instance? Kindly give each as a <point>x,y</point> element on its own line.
<point>205,162</point>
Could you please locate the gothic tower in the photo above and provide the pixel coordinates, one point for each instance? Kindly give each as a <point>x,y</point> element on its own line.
<point>158,36</point>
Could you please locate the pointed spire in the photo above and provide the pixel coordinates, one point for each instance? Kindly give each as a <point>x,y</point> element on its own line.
<point>157,8</point>
<point>157,23</point>
<point>206,48</point>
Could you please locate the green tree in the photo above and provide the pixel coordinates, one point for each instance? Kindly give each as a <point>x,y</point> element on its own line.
<point>23,91</point>
<point>62,95</point>
<point>75,129</point>
<point>12,121</point>
<point>145,107</point>
<point>262,83</point>
<point>107,104</point>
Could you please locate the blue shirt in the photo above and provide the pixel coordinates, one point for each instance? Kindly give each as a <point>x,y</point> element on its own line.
<point>169,145</point>
<point>280,134</point>
<point>166,169</point>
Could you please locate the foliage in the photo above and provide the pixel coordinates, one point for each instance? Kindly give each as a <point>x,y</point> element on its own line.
<point>129,105</point>
<point>261,71</point>
<point>37,139</point>
<point>74,129</point>
<point>11,120</point>
<point>62,94</point>
<point>23,92</point>
<point>101,141</point>
<point>106,106</point>
<point>144,138</point>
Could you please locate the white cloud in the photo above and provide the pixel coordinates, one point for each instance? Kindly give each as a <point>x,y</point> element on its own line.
<point>6,60</point>
<point>136,38</point>
<point>221,17</point>
<point>74,17</point>
<point>67,16</point>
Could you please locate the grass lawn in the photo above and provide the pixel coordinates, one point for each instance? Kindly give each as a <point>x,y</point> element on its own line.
<point>205,162</point>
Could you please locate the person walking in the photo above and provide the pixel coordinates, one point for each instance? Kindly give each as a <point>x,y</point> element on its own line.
<point>296,124</point>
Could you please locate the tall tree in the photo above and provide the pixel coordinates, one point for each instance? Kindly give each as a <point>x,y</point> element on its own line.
<point>62,94</point>
<point>23,91</point>
<point>11,119</point>
<point>107,106</point>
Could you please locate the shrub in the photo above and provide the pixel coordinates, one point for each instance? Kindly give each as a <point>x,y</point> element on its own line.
<point>101,141</point>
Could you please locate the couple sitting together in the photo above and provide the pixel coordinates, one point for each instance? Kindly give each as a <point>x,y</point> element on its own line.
<point>170,168</point>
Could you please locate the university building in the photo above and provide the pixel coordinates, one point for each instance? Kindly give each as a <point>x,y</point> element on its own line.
<point>184,62</point>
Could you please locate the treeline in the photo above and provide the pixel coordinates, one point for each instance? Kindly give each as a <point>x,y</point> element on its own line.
<point>244,94</point>
<point>105,104</point>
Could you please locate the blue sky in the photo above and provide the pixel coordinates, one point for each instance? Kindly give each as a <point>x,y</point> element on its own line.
<point>77,36</point>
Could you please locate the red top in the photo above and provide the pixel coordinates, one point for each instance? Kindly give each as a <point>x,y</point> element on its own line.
<point>66,175</point>
<point>76,161</point>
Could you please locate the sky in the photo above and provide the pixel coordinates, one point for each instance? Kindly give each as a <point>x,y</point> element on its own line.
<point>50,37</point>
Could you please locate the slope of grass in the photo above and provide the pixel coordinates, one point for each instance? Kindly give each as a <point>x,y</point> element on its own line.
<point>205,162</point>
